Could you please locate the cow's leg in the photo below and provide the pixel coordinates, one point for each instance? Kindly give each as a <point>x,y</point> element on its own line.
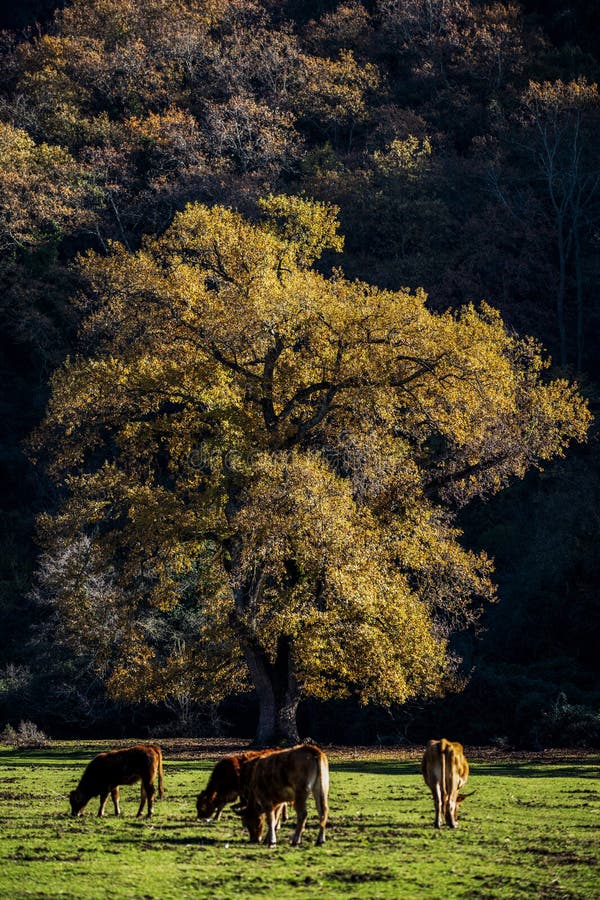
<point>437,799</point>
<point>301,814</point>
<point>150,790</point>
<point>271,838</point>
<point>142,801</point>
<point>280,815</point>
<point>115,799</point>
<point>103,799</point>
<point>218,812</point>
<point>322,810</point>
<point>451,812</point>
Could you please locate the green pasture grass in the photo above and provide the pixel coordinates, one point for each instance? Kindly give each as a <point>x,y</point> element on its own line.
<point>531,830</point>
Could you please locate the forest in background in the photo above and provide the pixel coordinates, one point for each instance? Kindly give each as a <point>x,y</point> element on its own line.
<point>459,141</point>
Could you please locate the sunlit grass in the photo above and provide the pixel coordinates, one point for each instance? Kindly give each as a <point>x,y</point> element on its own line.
<point>531,830</point>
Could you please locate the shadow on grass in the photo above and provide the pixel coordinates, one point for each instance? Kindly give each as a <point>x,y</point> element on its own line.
<point>536,770</point>
<point>377,767</point>
<point>509,769</point>
<point>156,842</point>
<point>44,757</point>
<point>210,751</point>
<point>49,757</point>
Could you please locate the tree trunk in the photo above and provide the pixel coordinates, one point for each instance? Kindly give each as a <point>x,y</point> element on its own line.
<point>560,294</point>
<point>579,295</point>
<point>278,693</point>
<point>274,680</point>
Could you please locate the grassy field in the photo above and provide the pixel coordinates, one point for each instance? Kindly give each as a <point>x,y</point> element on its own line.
<point>531,830</point>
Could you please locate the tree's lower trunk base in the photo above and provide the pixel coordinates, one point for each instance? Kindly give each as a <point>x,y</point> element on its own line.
<point>281,731</point>
<point>278,695</point>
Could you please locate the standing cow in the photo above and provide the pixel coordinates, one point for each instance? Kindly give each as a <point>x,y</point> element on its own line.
<point>445,770</point>
<point>282,777</point>
<point>108,770</point>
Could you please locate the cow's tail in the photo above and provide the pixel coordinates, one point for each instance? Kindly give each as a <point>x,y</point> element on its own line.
<point>321,793</point>
<point>444,786</point>
<point>161,790</point>
<point>450,782</point>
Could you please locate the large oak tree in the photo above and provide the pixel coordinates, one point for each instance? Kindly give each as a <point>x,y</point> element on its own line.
<point>260,466</point>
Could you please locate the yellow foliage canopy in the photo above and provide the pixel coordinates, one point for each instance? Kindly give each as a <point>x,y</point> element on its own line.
<point>260,458</point>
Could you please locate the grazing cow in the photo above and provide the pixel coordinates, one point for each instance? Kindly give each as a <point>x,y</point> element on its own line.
<point>224,784</point>
<point>445,770</point>
<point>107,771</point>
<point>282,777</point>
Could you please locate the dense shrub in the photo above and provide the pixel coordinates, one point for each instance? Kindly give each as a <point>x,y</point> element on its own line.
<point>27,736</point>
<point>569,724</point>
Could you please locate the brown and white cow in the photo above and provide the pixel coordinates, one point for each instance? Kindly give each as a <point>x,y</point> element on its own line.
<point>224,784</point>
<point>445,770</point>
<point>108,770</point>
<point>281,777</point>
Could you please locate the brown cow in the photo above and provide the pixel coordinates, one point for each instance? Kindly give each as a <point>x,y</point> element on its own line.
<point>445,770</point>
<point>283,776</point>
<point>107,771</point>
<point>224,784</point>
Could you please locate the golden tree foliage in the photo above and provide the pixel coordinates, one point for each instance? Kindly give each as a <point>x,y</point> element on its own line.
<point>335,92</point>
<point>277,454</point>
<point>43,190</point>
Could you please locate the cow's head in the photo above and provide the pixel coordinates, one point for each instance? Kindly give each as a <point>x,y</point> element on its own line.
<point>253,818</point>
<point>77,801</point>
<point>205,805</point>
<point>459,800</point>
